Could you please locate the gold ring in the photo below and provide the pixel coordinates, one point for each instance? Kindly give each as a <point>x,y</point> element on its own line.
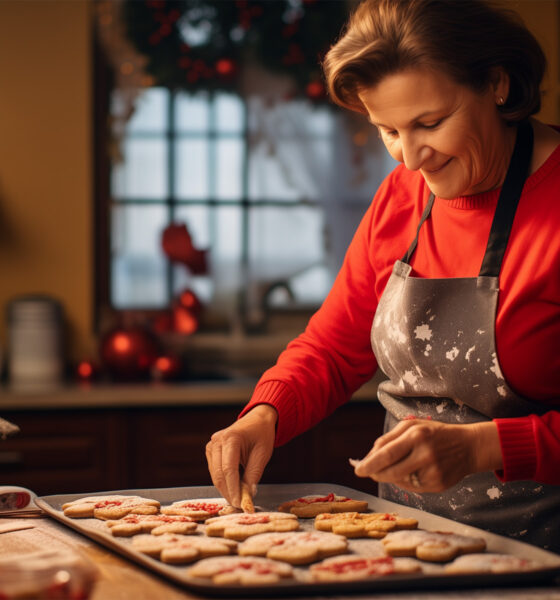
<point>414,479</point>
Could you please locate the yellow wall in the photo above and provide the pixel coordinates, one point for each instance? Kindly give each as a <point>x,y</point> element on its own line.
<point>542,17</point>
<point>46,149</point>
<point>45,158</point>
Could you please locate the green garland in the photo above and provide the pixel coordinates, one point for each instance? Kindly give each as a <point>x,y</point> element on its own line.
<point>203,44</point>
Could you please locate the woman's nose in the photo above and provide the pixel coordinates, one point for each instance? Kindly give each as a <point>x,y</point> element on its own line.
<point>414,153</point>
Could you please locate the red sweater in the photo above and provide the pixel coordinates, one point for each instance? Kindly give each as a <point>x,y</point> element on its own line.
<point>324,366</point>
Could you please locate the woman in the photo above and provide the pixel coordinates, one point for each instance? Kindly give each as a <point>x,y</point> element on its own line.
<point>451,284</point>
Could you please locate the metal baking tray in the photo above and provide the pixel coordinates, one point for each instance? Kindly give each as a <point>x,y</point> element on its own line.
<point>268,498</point>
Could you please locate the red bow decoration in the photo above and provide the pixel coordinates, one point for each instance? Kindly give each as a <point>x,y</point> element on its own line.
<point>178,247</point>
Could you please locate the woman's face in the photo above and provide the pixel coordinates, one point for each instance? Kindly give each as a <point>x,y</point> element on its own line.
<point>455,137</point>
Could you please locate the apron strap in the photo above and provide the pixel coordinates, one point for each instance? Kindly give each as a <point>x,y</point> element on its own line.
<point>505,210</point>
<point>406,258</point>
<point>507,202</point>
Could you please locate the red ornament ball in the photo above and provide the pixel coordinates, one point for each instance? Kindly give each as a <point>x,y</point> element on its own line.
<point>315,90</point>
<point>166,367</point>
<point>128,353</point>
<point>86,371</point>
<point>225,67</point>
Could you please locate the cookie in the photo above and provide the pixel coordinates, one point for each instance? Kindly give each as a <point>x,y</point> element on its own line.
<point>351,568</point>
<point>294,547</point>
<point>252,570</point>
<point>359,525</point>
<point>310,506</point>
<point>490,563</point>
<point>433,546</point>
<point>181,549</point>
<point>241,526</point>
<point>199,509</point>
<point>110,507</point>
<point>155,524</point>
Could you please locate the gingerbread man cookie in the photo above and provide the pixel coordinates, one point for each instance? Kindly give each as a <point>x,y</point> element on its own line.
<point>155,524</point>
<point>294,547</point>
<point>310,506</point>
<point>199,509</point>
<point>110,507</point>
<point>358,525</point>
<point>241,526</point>
<point>490,563</point>
<point>350,568</point>
<point>181,549</point>
<point>252,570</point>
<point>433,546</point>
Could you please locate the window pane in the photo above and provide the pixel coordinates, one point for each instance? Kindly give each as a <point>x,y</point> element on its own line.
<point>284,241</point>
<point>197,220</point>
<point>192,112</point>
<point>150,112</point>
<point>230,113</point>
<point>311,286</point>
<point>138,263</point>
<point>319,121</point>
<point>291,170</point>
<point>143,172</point>
<point>229,169</point>
<point>191,169</point>
<point>225,256</point>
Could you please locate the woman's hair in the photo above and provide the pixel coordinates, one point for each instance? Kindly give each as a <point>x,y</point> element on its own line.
<point>466,39</point>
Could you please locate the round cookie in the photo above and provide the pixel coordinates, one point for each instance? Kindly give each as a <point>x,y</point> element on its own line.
<point>154,524</point>
<point>244,570</point>
<point>490,563</point>
<point>240,526</point>
<point>433,546</point>
<point>110,507</point>
<point>358,525</point>
<point>199,509</point>
<point>181,549</point>
<point>310,506</point>
<point>294,547</point>
<point>350,568</point>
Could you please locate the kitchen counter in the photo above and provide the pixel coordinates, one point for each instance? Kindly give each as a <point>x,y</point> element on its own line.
<point>235,391</point>
<point>120,579</point>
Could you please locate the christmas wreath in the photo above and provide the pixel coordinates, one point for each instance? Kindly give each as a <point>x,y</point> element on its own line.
<point>203,44</point>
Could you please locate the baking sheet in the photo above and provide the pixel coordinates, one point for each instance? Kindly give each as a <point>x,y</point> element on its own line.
<point>268,498</point>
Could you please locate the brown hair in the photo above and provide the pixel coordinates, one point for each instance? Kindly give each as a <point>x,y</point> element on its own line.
<point>466,39</point>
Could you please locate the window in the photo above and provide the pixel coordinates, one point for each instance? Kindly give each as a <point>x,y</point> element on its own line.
<point>249,182</point>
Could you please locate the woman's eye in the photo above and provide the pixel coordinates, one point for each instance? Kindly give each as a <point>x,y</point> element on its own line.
<point>390,134</point>
<point>431,125</point>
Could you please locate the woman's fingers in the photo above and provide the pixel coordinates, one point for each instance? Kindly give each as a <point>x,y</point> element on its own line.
<point>422,456</point>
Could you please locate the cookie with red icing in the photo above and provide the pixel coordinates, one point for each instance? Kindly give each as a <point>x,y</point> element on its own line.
<point>154,524</point>
<point>359,525</point>
<point>110,507</point>
<point>488,562</point>
<point>310,506</point>
<point>433,546</point>
<point>294,547</point>
<point>351,568</point>
<point>244,570</point>
<point>181,549</point>
<point>240,526</point>
<point>199,509</point>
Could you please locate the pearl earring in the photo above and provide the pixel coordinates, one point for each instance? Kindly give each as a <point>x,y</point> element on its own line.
<point>501,101</point>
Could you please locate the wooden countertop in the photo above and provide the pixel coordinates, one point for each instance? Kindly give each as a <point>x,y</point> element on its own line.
<point>196,393</point>
<point>120,579</point>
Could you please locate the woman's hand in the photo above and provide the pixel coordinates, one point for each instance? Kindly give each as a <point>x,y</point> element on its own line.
<point>248,442</point>
<point>428,456</point>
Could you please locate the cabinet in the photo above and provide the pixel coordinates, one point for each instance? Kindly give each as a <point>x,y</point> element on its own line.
<point>88,450</point>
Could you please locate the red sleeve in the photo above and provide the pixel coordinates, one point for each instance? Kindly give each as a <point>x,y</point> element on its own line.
<point>325,365</point>
<point>531,448</point>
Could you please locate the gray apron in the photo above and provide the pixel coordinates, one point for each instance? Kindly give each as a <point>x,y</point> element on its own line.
<point>435,341</point>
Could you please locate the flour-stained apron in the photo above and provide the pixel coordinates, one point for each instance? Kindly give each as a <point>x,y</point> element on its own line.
<point>435,341</point>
